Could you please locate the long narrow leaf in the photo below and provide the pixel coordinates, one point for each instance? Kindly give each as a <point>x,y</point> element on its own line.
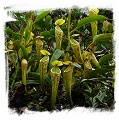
<point>105,58</point>
<point>41,15</point>
<point>24,51</point>
<point>90,19</point>
<point>97,72</point>
<point>102,37</point>
<point>8,30</point>
<point>34,75</point>
<point>28,31</point>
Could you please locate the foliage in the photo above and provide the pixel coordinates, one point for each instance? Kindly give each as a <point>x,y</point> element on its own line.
<point>69,56</point>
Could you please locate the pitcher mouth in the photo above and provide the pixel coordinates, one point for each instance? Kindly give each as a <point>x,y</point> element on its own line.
<point>45,59</point>
<point>56,72</point>
<point>74,42</point>
<point>58,29</point>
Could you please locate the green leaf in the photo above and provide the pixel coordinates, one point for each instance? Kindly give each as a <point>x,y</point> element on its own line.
<point>29,24</point>
<point>16,45</point>
<point>97,72</point>
<point>31,61</point>
<point>106,79</point>
<point>33,82</point>
<point>102,37</point>
<point>34,75</point>
<point>90,19</point>
<point>76,65</point>
<point>52,32</point>
<point>110,28</point>
<point>92,80</point>
<point>8,30</point>
<point>94,92</point>
<point>45,33</point>
<point>105,58</point>
<point>99,101</point>
<point>9,52</point>
<point>14,35</point>
<point>28,30</point>
<point>87,92</point>
<point>101,96</point>
<point>48,80</point>
<point>45,98</point>
<point>47,26</point>
<point>99,80</point>
<point>27,34</point>
<point>38,108</point>
<point>48,18</point>
<point>24,51</point>
<point>98,52</point>
<point>64,29</point>
<point>17,84</point>
<point>108,85</point>
<point>55,56</point>
<point>109,67</point>
<point>25,98</point>
<point>41,15</point>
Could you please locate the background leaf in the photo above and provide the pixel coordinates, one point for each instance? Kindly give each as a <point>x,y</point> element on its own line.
<point>41,15</point>
<point>24,51</point>
<point>55,56</point>
<point>90,19</point>
<point>45,33</point>
<point>94,92</point>
<point>102,37</point>
<point>105,58</point>
<point>97,72</point>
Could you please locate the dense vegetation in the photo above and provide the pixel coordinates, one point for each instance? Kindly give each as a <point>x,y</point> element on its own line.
<point>60,59</point>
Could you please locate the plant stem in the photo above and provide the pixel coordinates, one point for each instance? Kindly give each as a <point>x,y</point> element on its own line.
<point>89,46</point>
<point>73,31</point>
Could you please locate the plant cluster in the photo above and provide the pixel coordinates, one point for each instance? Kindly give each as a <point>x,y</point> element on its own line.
<point>58,59</point>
